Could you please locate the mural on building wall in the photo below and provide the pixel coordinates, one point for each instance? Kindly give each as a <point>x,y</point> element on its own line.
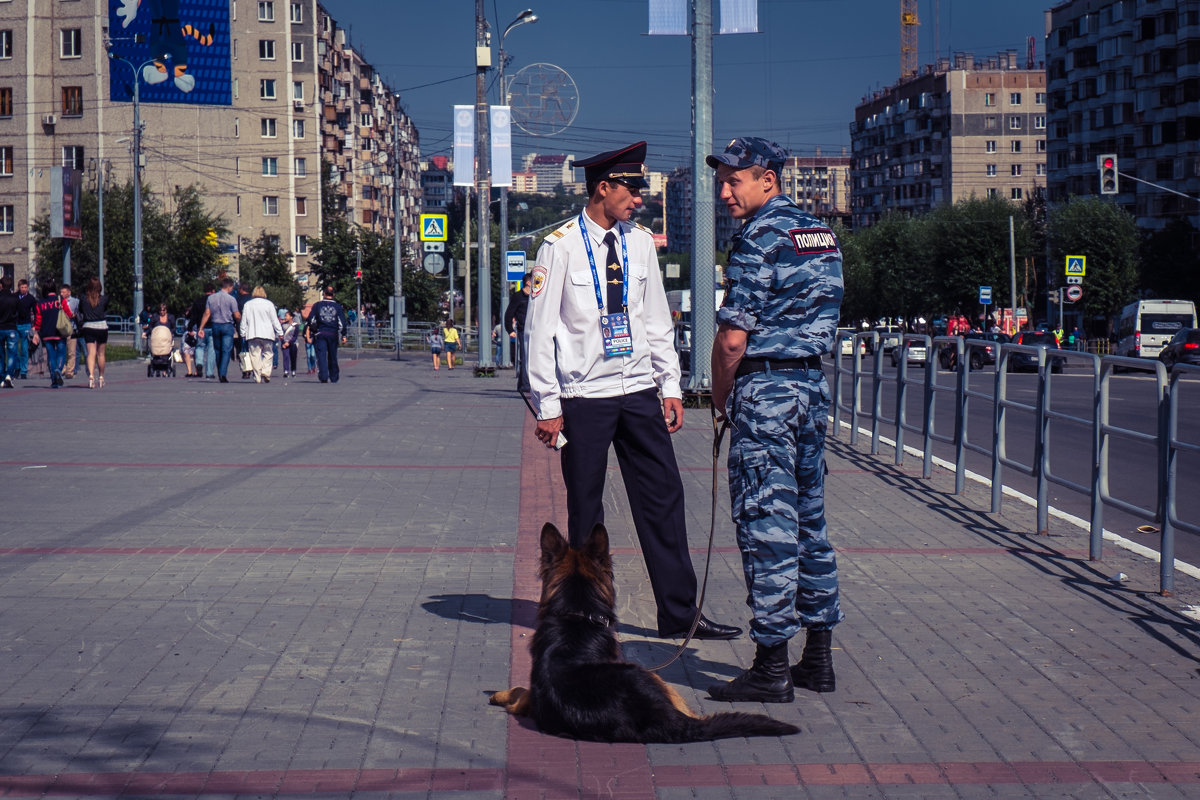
<point>179,48</point>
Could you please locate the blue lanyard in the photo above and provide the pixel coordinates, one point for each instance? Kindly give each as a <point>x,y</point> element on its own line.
<point>587,243</point>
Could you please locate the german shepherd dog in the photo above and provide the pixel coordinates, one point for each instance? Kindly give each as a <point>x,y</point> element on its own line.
<point>578,685</point>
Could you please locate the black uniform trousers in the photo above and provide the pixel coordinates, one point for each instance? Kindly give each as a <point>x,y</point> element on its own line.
<point>633,425</point>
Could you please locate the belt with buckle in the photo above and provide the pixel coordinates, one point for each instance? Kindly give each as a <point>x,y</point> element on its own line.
<point>749,366</point>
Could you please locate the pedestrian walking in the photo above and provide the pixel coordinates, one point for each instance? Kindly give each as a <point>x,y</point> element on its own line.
<point>10,310</point>
<point>205,352</point>
<point>222,309</point>
<point>27,303</point>
<point>93,327</point>
<point>498,339</point>
<point>514,323</point>
<point>64,293</point>
<point>599,338</point>
<point>287,344</point>
<point>260,329</point>
<point>451,341</point>
<point>327,327</point>
<point>780,313</point>
<point>434,340</point>
<point>48,331</point>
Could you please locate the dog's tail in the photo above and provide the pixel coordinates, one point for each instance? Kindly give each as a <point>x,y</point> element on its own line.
<point>733,724</point>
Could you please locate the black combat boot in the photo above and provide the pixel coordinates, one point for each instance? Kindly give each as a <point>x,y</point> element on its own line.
<point>815,670</point>
<point>767,681</point>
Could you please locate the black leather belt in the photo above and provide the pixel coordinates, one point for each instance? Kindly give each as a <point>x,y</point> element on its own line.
<point>748,366</point>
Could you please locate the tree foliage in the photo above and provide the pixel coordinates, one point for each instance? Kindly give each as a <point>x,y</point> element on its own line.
<point>266,264</point>
<point>1107,236</point>
<point>1171,262</point>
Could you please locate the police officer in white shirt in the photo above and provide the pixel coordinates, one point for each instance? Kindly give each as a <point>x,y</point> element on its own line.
<point>599,340</point>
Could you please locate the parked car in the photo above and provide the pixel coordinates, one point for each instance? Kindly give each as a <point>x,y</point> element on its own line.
<point>917,353</point>
<point>978,356</point>
<point>847,345</point>
<point>1184,348</point>
<point>889,337</point>
<point>1019,362</point>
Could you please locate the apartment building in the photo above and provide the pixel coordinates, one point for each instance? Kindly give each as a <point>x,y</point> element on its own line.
<point>677,208</point>
<point>1124,78</point>
<point>820,185</point>
<point>297,95</point>
<point>552,170</point>
<point>965,127</point>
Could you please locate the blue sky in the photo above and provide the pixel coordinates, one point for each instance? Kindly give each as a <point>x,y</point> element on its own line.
<point>797,82</point>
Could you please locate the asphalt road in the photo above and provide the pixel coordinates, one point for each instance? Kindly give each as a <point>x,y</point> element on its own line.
<point>1133,471</point>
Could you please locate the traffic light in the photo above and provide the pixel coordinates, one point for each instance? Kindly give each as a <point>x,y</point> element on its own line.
<point>1108,173</point>
<point>358,276</point>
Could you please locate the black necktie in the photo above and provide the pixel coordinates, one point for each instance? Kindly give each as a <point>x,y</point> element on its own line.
<point>613,277</point>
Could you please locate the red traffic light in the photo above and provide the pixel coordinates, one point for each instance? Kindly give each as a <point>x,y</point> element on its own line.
<point>358,275</point>
<point>1108,163</point>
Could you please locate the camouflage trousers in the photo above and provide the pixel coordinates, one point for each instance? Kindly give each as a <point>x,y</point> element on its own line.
<point>777,493</point>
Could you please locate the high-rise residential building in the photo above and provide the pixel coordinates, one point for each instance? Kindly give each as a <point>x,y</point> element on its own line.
<point>437,185</point>
<point>1124,79</point>
<point>965,127</point>
<point>679,216</point>
<point>299,96</point>
<point>552,170</point>
<point>820,185</point>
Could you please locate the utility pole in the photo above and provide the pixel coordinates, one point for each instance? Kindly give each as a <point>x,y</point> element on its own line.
<point>483,60</point>
<point>704,247</point>
<point>100,175</point>
<point>398,321</point>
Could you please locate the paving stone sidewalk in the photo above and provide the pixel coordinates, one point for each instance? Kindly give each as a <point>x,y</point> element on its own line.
<point>303,590</point>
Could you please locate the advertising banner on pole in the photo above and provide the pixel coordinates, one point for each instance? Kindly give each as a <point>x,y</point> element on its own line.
<point>668,18</point>
<point>179,49</point>
<point>66,187</point>
<point>501,146</point>
<point>464,145</point>
<point>739,16</point>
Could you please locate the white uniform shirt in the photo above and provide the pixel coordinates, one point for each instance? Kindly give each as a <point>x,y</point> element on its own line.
<point>562,329</point>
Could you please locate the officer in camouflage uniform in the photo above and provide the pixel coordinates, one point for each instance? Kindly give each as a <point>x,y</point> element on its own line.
<point>780,314</point>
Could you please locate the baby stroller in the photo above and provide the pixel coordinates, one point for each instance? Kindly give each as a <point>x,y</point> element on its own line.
<point>162,346</point>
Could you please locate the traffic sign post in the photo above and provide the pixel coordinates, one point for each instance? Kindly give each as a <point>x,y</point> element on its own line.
<point>1074,293</point>
<point>1077,265</point>
<point>434,227</point>
<point>985,295</point>
<point>515,263</point>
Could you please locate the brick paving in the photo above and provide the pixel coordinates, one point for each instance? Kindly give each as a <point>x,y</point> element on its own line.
<point>305,590</point>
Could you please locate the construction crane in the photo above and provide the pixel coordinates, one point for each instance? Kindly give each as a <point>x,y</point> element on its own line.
<point>908,38</point>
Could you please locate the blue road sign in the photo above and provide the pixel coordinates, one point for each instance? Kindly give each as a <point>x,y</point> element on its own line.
<point>515,260</point>
<point>985,295</point>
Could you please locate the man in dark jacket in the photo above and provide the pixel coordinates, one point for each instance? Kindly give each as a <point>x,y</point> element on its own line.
<point>10,310</point>
<point>327,326</point>
<point>514,322</point>
<point>28,302</point>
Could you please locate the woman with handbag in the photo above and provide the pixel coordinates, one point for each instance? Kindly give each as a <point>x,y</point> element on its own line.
<point>93,327</point>
<point>52,326</point>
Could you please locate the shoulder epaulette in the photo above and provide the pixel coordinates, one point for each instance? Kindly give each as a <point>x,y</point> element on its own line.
<point>561,232</point>
<point>641,227</point>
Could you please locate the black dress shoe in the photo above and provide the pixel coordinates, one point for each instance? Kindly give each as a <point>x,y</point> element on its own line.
<point>706,629</point>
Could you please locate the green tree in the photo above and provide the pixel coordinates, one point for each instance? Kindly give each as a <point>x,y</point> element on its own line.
<point>266,264</point>
<point>1107,235</point>
<point>969,247</point>
<point>1171,263</point>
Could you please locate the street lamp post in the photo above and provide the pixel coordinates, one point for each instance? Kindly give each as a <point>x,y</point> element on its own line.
<point>397,238</point>
<point>505,356</point>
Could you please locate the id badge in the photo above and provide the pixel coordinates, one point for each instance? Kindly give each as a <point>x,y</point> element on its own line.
<point>615,333</point>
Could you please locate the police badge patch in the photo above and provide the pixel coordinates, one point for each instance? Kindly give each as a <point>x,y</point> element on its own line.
<point>537,281</point>
<point>813,241</point>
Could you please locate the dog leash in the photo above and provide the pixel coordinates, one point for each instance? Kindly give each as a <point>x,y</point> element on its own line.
<point>719,429</point>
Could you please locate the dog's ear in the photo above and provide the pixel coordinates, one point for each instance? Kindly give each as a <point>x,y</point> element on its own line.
<point>553,544</point>
<point>596,545</point>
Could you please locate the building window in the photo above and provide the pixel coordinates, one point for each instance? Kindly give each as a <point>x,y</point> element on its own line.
<point>991,170</point>
<point>301,206</point>
<point>266,11</point>
<point>270,166</point>
<point>991,146</point>
<point>301,244</point>
<point>72,101</point>
<point>1014,123</point>
<point>1014,98</point>
<point>1041,169</point>
<point>300,167</point>
<point>6,160</point>
<point>6,49</point>
<point>297,51</point>
<point>1016,193</point>
<point>6,219</point>
<point>364,120</point>
<point>71,43</point>
<point>270,205</point>
<point>298,90</point>
<point>1041,145</point>
<point>266,49</point>
<point>237,127</point>
<point>268,128</point>
<point>1040,98</point>
<point>297,129</point>
<point>1015,146</point>
<point>992,193</point>
<point>6,102</point>
<point>989,98</point>
<point>1039,122</point>
<point>1015,170</point>
<point>266,88</point>
<point>72,156</point>
<point>297,13</point>
<point>989,123</point>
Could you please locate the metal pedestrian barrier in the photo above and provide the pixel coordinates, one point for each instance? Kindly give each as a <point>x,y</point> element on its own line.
<point>1166,439</point>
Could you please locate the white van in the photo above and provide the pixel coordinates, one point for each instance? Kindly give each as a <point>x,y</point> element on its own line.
<point>1146,326</point>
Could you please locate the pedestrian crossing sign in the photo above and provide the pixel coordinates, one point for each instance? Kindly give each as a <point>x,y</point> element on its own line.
<point>1076,265</point>
<point>433,227</point>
